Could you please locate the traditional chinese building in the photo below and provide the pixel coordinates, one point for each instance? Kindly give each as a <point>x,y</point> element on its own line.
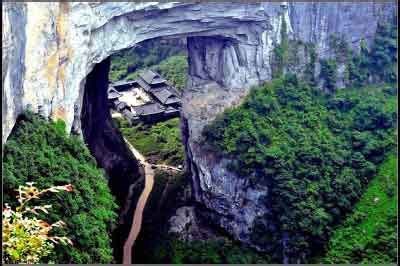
<point>162,101</point>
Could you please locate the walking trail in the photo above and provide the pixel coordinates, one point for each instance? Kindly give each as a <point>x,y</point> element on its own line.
<point>138,215</point>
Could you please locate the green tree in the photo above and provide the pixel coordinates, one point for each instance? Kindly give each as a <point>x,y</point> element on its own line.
<point>314,153</point>
<point>41,152</point>
<point>329,73</point>
<point>281,51</point>
<point>384,52</point>
<point>359,66</point>
<point>174,69</point>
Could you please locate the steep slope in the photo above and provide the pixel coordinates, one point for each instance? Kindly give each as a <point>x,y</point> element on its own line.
<point>369,235</point>
<point>58,44</point>
<point>40,151</point>
<point>303,159</point>
<point>50,49</point>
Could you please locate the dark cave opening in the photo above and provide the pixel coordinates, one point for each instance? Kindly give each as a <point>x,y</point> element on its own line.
<point>105,141</point>
<point>103,137</point>
<point>107,145</point>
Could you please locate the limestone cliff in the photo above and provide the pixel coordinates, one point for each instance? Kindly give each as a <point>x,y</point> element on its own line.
<point>49,49</point>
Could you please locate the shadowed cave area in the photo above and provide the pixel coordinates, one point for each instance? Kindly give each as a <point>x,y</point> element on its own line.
<point>208,63</point>
<point>106,144</point>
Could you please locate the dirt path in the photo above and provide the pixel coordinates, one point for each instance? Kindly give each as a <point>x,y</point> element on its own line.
<point>116,115</point>
<point>167,167</point>
<point>128,201</point>
<point>138,215</point>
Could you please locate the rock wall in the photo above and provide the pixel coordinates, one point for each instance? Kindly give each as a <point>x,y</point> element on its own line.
<point>219,79</point>
<point>102,137</point>
<point>13,63</point>
<point>49,49</point>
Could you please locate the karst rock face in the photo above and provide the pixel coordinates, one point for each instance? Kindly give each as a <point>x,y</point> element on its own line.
<point>50,48</point>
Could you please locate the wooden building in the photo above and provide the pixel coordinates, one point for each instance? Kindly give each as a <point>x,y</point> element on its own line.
<point>123,85</point>
<point>159,89</point>
<point>149,113</point>
<point>113,96</point>
<point>165,103</point>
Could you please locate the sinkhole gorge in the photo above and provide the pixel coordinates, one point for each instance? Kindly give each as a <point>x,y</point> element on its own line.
<point>57,60</point>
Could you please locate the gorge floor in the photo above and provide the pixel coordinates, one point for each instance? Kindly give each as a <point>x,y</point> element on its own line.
<point>138,214</point>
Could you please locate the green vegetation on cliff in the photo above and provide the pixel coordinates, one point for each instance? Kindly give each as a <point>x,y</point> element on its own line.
<point>383,56</point>
<point>329,73</point>
<point>377,63</point>
<point>174,69</point>
<point>166,57</point>
<point>222,251</point>
<point>160,143</point>
<point>369,234</point>
<point>314,152</point>
<point>41,152</point>
<point>281,52</point>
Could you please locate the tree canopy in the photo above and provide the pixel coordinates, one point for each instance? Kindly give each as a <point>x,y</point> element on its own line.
<point>314,152</point>
<point>41,152</point>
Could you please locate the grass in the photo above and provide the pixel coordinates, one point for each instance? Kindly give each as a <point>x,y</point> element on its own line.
<point>161,142</point>
<point>374,211</point>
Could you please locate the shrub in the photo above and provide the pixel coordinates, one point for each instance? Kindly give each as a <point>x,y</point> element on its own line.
<point>329,73</point>
<point>41,152</point>
<point>26,239</point>
<point>314,153</point>
<point>174,69</point>
<point>220,251</point>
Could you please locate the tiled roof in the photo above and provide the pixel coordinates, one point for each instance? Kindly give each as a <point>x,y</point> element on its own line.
<point>171,110</point>
<point>148,109</point>
<point>113,93</point>
<point>162,95</point>
<point>122,83</point>
<point>172,100</point>
<point>151,77</point>
<point>143,84</point>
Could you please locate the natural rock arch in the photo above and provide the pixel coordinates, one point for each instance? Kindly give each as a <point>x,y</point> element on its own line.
<point>62,42</point>
<point>50,48</point>
<point>50,52</point>
<point>224,56</point>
